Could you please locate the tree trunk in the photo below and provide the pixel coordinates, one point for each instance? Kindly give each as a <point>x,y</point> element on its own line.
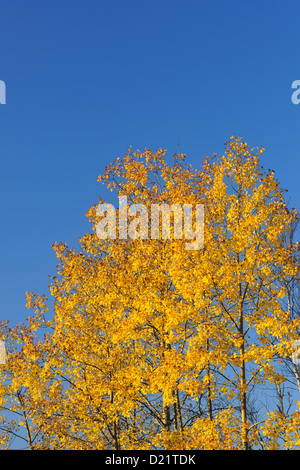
<point>209,400</point>
<point>244,434</point>
<point>167,417</point>
<point>243,400</point>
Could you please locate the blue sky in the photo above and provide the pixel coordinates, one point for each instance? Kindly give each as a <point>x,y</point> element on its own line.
<point>86,80</point>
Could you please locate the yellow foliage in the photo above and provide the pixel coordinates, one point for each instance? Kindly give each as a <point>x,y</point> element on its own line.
<point>153,345</point>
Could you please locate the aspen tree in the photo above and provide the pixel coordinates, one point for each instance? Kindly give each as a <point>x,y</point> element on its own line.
<point>149,344</point>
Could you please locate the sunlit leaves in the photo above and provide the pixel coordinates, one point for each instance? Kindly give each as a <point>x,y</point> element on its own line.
<point>150,344</point>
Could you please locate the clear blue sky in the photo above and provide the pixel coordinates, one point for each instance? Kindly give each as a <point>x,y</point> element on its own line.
<point>86,80</point>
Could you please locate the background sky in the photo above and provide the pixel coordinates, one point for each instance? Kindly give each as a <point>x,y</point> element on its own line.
<point>86,80</point>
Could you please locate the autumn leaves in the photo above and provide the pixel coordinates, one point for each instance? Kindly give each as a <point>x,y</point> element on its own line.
<point>153,345</point>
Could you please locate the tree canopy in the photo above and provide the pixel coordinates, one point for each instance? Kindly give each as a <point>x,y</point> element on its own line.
<point>149,345</point>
